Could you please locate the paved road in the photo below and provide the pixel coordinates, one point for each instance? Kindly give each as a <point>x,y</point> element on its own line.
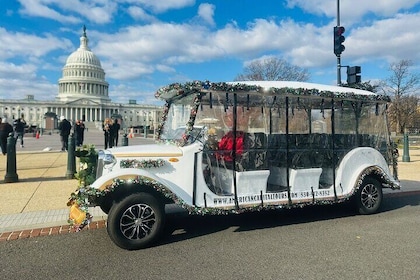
<point>323,242</point>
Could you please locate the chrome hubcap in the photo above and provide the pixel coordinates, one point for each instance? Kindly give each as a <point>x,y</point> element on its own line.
<point>137,221</point>
<point>369,196</point>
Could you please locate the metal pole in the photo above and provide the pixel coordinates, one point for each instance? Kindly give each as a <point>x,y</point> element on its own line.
<point>71,158</point>
<point>338,12</point>
<point>339,70</point>
<point>338,56</point>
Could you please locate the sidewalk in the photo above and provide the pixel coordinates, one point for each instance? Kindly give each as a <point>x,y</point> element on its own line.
<point>39,198</point>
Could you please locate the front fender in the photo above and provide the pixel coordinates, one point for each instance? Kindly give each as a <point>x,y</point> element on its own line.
<point>106,180</point>
<point>170,190</point>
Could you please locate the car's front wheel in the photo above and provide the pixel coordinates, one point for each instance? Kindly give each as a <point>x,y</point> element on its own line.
<point>369,196</point>
<point>136,221</point>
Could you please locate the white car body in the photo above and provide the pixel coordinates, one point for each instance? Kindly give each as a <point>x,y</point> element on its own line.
<point>329,156</point>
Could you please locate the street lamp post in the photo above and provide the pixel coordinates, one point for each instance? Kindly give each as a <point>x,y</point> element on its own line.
<point>18,112</point>
<point>339,55</point>
<point>144,124</point>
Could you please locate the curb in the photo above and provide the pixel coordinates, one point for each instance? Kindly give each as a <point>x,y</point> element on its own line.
<point>55,230</point>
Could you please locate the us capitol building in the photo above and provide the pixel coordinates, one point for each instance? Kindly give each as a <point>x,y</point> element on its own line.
<point>82,95</point>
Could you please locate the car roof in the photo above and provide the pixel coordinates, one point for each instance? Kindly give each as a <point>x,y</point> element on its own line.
<point>271,88</point>
<point>267,85</point>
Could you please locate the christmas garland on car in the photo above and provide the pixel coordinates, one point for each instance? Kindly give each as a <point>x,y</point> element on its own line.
<point>88,158</point>
<point>79,200</point>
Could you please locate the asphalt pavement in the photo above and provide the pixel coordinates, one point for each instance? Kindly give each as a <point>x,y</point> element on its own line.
<point>38,199</point>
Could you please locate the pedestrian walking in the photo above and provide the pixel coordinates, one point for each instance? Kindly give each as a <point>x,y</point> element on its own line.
<point>108,133</point>
<point>116,130</point>
<point>79,130</point>
<point>19,126</point>
<point>64,127</point>
<point>5,129</point>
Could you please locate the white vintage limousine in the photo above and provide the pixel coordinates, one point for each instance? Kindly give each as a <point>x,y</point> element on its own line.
<point>244,146</point>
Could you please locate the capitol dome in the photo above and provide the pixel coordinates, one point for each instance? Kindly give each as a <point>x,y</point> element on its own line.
<point>83,76</point>
<point>83,55</point>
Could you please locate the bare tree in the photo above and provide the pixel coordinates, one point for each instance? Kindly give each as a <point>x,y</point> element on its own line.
<point>273,69</point>
<point>402,86</point>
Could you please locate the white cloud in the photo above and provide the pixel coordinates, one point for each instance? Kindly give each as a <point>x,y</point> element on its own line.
<point>160,43</point>
<point>160,6</point>
<point>351,11</point>
<point>391,39</point>
<point>70,11</point>
<point>39,9</point>
<point>127,70</point>
<point>25,71</point>
<point>139,14</point>
<point>142,92</point>
<point>165,68</point>
<point>206,12</point>
<point>22,77</point>
<point>306,45</point>
<point>97,11</point>
<point>27,45</point>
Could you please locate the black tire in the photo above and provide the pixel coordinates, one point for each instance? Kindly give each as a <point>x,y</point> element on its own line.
<point>369,196</point>
<point>136,221</point>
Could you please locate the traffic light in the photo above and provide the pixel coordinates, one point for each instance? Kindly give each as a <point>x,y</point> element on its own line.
<point>353,75</point>
<point>339,40</point>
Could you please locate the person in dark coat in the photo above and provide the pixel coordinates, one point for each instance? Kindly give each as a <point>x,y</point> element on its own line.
<point>64,127</point>
<point>108,133</point>
<point>19,126</point>
<point>115,131</point>
<point>79,130</point>
<point>5,129</point>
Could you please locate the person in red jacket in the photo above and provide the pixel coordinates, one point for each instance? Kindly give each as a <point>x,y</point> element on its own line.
<point>226,144</point>
<point>233,140</point>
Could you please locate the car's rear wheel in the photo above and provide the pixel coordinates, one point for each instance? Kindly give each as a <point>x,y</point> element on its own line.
<point>136,221</point>
<point>369,196</point>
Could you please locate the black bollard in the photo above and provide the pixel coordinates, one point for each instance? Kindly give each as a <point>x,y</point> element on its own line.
<point>406,153</point>
<point>124,140</point>
<point>71,158</point>
<point>11,175</point>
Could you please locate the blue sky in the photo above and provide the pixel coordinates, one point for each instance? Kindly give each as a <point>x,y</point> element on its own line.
<point>146,44</point>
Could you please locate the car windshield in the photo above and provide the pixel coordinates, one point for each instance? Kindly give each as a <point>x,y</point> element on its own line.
<point>177,118</point>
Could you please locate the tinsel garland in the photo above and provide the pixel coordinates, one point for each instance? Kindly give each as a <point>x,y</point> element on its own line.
<point>378,172</point>
<point>189,126</point>
<point>148,163</point>
<point>82,197</point>
<point>176,90</point>
<point>86,194</point>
